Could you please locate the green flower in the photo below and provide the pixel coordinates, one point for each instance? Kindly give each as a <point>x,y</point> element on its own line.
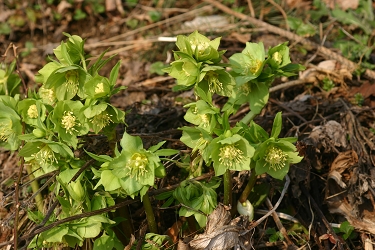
<point>217,80</point>
<point>44,155</point>
<point>274,155</point>
<point>186,70</point>
<point>101,115</point>
<point>231,152</point>
<point>136,167</point>
<point>248,64</point>
<point>31,111</point>
<point>47,95</point>
<point>202,114</point>
<point>69,121</point>
<point>97,87</point>
<point>252,92</point>
<point>196,138</point>
<point>67,82</point>
<point>278,56</point>
<point>200,47</point>
<point>10,126</point>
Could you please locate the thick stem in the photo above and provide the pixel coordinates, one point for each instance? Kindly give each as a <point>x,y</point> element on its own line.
<point>249,187</point>
<point>227,188</point>
<point>249,117</point>
<point>149,214</point>
<point>35,187</point>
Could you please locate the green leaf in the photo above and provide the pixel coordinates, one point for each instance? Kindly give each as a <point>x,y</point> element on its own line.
<point>90,229</point>
<point>156,147</point>
<point>99,158</point>
<point>105,242</point>
<point>258,97</point>
<point>55,234</point>
<point>131,143</point>
<point>166,152</point>
<point>301,28</point>
<point>94,110</point>
<point>276,127</point>
<point>114,74</point>
<point>110,181</point>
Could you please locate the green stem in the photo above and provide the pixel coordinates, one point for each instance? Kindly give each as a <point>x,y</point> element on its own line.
<point>249,117</point>
<point>249,187</point>
<point>227,178</point>
<point>35,188</point>
<point>149,214</point>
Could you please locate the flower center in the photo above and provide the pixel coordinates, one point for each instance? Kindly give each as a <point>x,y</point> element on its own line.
<point>6,130</point>
<point>254,66</point>
<point>101,120</point>
<point>245,89</point>
<point>32,112</point>
<point>276,158</point>
<point>201,46</point>
<point>277,57</point>
<point>69,121</point>
<point>99,88</point>
<point>47,95</point>
<point>214,85</point>
<point>137,165</point>
<point>230,155</point>
<point>71,82</point>
<point>205,120</point>
<point>45,155</point>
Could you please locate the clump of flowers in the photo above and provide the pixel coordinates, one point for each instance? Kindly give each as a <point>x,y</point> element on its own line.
<point>198,65</point>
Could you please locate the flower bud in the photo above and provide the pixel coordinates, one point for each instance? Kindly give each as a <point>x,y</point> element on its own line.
<point>39,133</point>
<point>246,209</point>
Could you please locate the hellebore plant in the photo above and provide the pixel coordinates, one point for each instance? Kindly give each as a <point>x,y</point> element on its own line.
<point>50,123</point>
<point>51,126</point>
<point>133,171</point>
<point>246,79</point>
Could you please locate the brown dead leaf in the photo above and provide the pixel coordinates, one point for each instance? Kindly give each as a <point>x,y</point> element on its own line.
<point>221,233</point>
<point>5,14</point>
<point>62,6</point>
<point>366,90</point>
<point>174,231</point>
<point>365,223</point>
<point>329,135</point>
<point>342,4</point>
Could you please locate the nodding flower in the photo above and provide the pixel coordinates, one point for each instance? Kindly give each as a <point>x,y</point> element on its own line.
<point>276,158</point>
<point>72,81</point>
